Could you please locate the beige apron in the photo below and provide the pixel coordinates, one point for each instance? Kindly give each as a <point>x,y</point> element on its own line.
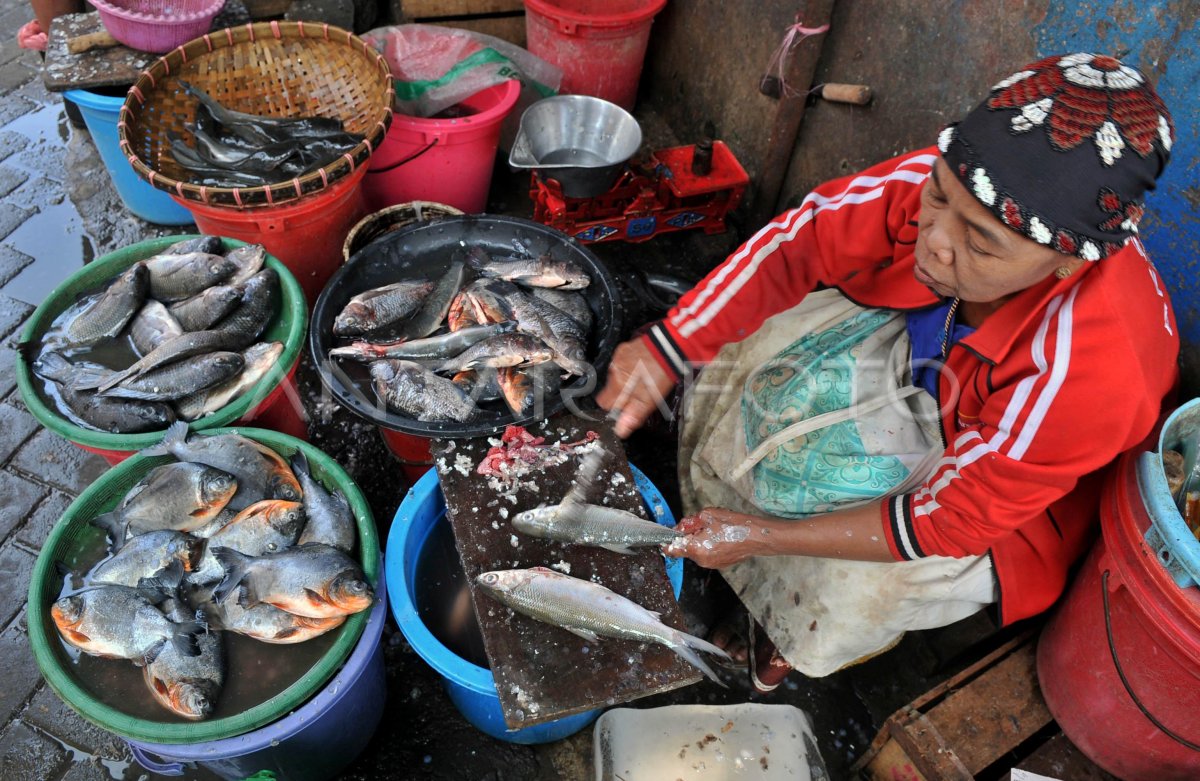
<point>824,614</point>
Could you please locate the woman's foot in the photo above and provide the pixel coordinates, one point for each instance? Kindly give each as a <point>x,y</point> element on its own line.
<point>767,666</point>
<point>729,635</point>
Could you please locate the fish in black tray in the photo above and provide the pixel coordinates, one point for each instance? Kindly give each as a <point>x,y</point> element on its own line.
<point>374,309</point>
<point>542,271</point>
<point>414,390</point>
<point>431,348</point>
<point>511,349</point>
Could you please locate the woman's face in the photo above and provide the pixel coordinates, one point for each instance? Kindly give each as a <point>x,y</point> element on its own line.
<point>963,250</point>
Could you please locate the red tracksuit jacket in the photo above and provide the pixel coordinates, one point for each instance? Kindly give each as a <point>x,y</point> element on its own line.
<point>1037,403</point>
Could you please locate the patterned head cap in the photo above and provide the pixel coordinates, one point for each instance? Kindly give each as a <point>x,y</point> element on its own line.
<point>1064,150</point>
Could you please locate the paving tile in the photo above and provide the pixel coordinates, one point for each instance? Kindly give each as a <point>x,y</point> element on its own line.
<point>14,106</point>
<point>11,179</point>
<point>36,529</point>
<point>16,565</point>
<point>19,674</point>
<point>11,142</point>
<point>8,373</point>
<point>20,497</point>
<point>12,262</point>
<point>14,74</point>
<point>56,462</point>
<point>49,713</point>
<point>27,756</point>
<point>11,215</point>
<point>12,314</point>
<point>38,192</point>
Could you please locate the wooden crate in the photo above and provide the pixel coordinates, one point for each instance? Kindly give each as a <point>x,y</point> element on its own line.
<point>266,9</point>
<point>504,19</point>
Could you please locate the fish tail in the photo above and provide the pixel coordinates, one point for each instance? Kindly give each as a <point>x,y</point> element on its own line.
<point>234,565</point>
<point>113,526</point>
<point>477,258</point>
<point>681,647</point>
<point>163,584</point>
<point>185,637</point>
<point>176,437</point>
<point>299,464</point>
<point>703,645</point>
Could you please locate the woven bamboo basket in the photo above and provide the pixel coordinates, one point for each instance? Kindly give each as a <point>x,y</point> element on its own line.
<point>277,69</point>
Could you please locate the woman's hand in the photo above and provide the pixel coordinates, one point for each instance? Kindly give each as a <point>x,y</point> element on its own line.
<point>637,385</point>
<point>716,538</point>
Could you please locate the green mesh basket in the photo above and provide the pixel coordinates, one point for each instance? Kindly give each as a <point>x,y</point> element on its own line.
<point>74,534</point>
<point>289,327</point>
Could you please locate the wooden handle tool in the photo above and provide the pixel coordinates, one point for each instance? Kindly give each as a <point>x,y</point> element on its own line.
<point>855,94</point>
<point>100,39</point>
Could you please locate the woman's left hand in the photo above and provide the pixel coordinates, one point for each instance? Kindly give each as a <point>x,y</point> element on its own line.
<point>716,538</point>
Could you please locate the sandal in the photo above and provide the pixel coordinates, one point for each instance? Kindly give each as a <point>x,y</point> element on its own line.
<point>729,637</point>
<point>767,666</point>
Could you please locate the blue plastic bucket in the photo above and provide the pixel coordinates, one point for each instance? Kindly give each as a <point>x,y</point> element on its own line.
<point>313,742</point>
<point>1169,537</point>
<point>152,205</point>
<point>472,688</point>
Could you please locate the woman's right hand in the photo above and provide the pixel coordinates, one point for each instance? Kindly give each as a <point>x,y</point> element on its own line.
<point>637,385</point>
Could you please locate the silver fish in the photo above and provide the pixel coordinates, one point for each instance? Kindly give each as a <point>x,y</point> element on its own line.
<point>174,349</point>
<point>330,519</point>
<point>188,685</point>
<point>107,315</point>
<point>268,526</point>
<point>412,389</point>
<point>119,416</point>
<point>591,524</point>
<point>256,474</point>
<point>257,361</point>
<point>543,271</point>
<point>311,580</point>
<point>179,379</point>
<point>573,304</point>
<point>153,325</point>
<point>590,611</point>
<point>208,244</point>
<point>258,309</point>
<point>119,622</point>
<point>146,554</point>
<point>429,348</point>
<point>207,307</point>
<point>176,277</point>
<point>266,623</point>
<point>180,497</point>
<point>380,307</point>
<point>512,349</point>
<point>249,261</point>
<point>435,306</point>
<point>561,333</point>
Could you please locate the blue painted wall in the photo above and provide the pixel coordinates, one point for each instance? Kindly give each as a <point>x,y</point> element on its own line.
<point>1163,39</point>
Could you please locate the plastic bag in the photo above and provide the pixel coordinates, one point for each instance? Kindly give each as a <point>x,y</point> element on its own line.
<point>437,67</point>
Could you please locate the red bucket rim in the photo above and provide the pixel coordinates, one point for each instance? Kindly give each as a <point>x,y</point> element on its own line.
<point>626,19</point>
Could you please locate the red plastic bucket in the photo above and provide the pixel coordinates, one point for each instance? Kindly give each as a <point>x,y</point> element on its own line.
<point>279,411</point>
<point>448,161</point>
<point>1119,663</point>
<point>411,451</point>
<point>598,44</point>
<point>306,235</point>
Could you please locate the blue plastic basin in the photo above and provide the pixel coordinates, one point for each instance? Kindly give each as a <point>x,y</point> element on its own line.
<point>313,742</point>
<point>472,688</point>
<point>100,114</point>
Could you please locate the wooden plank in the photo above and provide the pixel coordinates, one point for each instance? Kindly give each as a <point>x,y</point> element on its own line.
<point>506,28</point>
<point>423,9</point>
<point>264,9</point>
<point>543,672</point>
<point>891,763</point>
<point>1059,758</point>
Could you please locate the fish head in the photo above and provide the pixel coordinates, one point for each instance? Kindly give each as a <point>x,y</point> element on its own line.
<point>356,318</point>
<point>136,277</point>
<point>187,549</point>
<point>534,522</point>
<point>499,582</point>
<point>228,362</point>
<point>191,699</point>
<point>286,517</point>
<point>350,592</point>
<point>217,488</point>
<point>219,268</point>
<point>53,366</point>
<point>67,612</point>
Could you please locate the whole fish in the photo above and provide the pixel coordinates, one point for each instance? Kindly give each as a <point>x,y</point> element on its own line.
<point>257,474</point>
<point>211,245</point>
<point>176,277</point>
<point>249,261</point>
<point>188,686</point>
<point>590,611</point>
<point>591,524</point>
<point>429,348</point>
<point>180,379</point>
<point>206,308</point>
<point>261,130</point>
<point>560,332</point>
<point>330,521</point>
<point>542,271</point>
<point>144,555</point>
<point>511,349</point>
<point>266,623</point>
<point>179,497</point>
<point>412,389</point>
<point>118,416</point>
<point>119,622</point>
<point>153,325</point>
<point>107,315</point>
<point>435,306</point>
<point>174,349</point>
<point>268,526</point>
<point>572,303</point>
<point>257,360</point>
<point>311,580</point>
<point>256,312</point>
<point>374,309</point>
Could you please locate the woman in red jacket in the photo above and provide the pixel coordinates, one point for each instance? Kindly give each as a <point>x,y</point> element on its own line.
<point>989,337</point>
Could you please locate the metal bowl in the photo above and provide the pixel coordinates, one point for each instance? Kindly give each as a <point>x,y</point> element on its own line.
<point>581,141</point>
<point>424,250</point>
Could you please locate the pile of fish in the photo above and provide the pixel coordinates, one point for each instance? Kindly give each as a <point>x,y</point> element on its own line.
<point>228,538</point>
<point>174,336</point>
<point>233,149</point>
<point>439,348</point>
